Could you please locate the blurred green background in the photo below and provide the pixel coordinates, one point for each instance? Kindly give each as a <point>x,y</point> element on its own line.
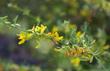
<point>14,57</point>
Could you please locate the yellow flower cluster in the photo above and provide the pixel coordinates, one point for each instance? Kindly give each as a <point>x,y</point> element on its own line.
<point>39,29</point>
<point>23,36</point>
<point>55,36</point>
<point>76,52</point>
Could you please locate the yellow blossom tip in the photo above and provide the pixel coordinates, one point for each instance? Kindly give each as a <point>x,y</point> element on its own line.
<point>23,36</point>
<point>75,61</point>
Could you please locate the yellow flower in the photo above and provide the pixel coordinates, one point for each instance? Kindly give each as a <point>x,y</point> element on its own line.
<point>40,29</point>
<point>23,36</point>
<point>55,36</point>
<point>75,61</point>
<point>79,35</point>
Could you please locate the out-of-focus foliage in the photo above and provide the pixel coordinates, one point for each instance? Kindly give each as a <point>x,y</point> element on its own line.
<point>58,35</point>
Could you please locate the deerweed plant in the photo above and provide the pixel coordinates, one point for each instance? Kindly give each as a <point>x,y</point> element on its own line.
<point>75,44</point>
